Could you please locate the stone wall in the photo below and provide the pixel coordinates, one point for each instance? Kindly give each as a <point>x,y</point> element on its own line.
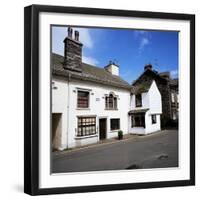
<point>72,54</point>
<point>166,101</point>
<point>175,104</point>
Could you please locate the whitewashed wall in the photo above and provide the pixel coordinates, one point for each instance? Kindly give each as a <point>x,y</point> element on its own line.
<point>152,101</point>
<point>155,101</point>
<point>67,93</point>
<point>59,105</point>
<point>145,102</point>
<point>113,69</point>
<point>149,126</point>
<point>155,105</point>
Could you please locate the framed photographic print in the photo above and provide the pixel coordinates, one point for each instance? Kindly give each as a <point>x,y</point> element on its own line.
<point>109,100</point>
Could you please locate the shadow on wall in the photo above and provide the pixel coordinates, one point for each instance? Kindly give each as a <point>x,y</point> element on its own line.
<point>169,124</point>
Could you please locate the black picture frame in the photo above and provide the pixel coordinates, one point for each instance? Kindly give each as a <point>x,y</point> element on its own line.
<point>31,98</point>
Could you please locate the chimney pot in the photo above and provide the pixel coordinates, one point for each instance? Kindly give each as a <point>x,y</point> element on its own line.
<point>148,66</point>
<point>70,31</point>
<point>76,35</point>
<point>72,52</point>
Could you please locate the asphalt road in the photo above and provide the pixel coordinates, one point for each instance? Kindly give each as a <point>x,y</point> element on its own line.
<point>158,150</point>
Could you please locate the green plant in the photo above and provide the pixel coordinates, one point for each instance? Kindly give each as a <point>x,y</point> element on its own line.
<point>120,134</point>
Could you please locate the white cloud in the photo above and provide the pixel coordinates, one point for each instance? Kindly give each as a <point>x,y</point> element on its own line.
<point>138,33</point>
<point>141,33</point>
<point>143,37</point>
<point>144,41</point>
<point>85,37</point>
<point>174,73</point>
<point>90,60</point>
<point>59,33</point>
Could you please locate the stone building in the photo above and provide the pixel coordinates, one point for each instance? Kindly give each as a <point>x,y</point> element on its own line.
<point>169,92</point>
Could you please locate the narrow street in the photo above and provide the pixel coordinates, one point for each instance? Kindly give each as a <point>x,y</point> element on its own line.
<point>157,150</point>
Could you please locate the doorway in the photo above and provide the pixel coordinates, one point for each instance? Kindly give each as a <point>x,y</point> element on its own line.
<point>56,130</point>
<point>102,128</point>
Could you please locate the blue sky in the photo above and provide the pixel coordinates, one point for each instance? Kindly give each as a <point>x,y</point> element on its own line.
<point>130,49</point>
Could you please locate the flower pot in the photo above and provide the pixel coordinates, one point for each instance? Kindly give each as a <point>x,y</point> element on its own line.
<point>120,135</point>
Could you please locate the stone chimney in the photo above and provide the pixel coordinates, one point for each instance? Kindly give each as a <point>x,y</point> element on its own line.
<point>165,75</point>
<point>112,68</point>
<point>72,51</point>
<point>148,66</point>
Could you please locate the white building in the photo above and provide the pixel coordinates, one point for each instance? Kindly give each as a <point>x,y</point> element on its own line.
<point>146,108</point>
<point>90,103</point>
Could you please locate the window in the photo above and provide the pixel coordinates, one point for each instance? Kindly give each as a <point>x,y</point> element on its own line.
<point>114,124</point>
<point>83,99</point>
<point>174,115</point>
<point>111,102</point>
<point>138,120</point>
<point>138,100</point>
<point>86,126</point>
<point>177,98</point>
<point>153,119</point>
<point>173,97</point>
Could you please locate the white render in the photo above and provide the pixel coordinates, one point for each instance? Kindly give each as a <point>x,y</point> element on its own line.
<point>64,100</point>
<point>151,100</point>
<point>113,69</point>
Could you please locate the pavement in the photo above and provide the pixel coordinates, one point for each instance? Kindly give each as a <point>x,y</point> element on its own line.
<point>157,150</point>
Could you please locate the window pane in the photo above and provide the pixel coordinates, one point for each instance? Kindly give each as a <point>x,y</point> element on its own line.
<point>83,99</point>
<point>142,121</point>
<point>138,100</point>
<point>115,124</point>
<point>153,119</point>
<point>172,97</point>
<point>132,121</point>
<point>138,120</point>
<point>86,126</point>
<point>111,102</point>
<point>115,103</point>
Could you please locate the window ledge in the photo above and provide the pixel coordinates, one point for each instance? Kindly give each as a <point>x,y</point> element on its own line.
<point>82,108</point>
<point>114,130</point>
<point>86,136</point>
<point>110,109</point>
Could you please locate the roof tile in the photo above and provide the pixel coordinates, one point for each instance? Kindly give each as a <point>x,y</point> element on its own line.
<point>89,72</point>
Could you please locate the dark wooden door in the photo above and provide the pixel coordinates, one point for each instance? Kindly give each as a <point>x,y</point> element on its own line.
<point>102,128</point>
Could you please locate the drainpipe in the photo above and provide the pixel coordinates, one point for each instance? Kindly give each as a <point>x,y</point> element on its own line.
<point>68,108</point>
<point>129,117</point>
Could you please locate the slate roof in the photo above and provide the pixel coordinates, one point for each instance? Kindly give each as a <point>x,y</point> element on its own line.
<point>141,88</point>
<point>89,73</point>
<point>150,71</point>
<point>144,86</point>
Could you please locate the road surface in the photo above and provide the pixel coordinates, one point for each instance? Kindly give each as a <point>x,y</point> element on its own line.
<point>157,150</point>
